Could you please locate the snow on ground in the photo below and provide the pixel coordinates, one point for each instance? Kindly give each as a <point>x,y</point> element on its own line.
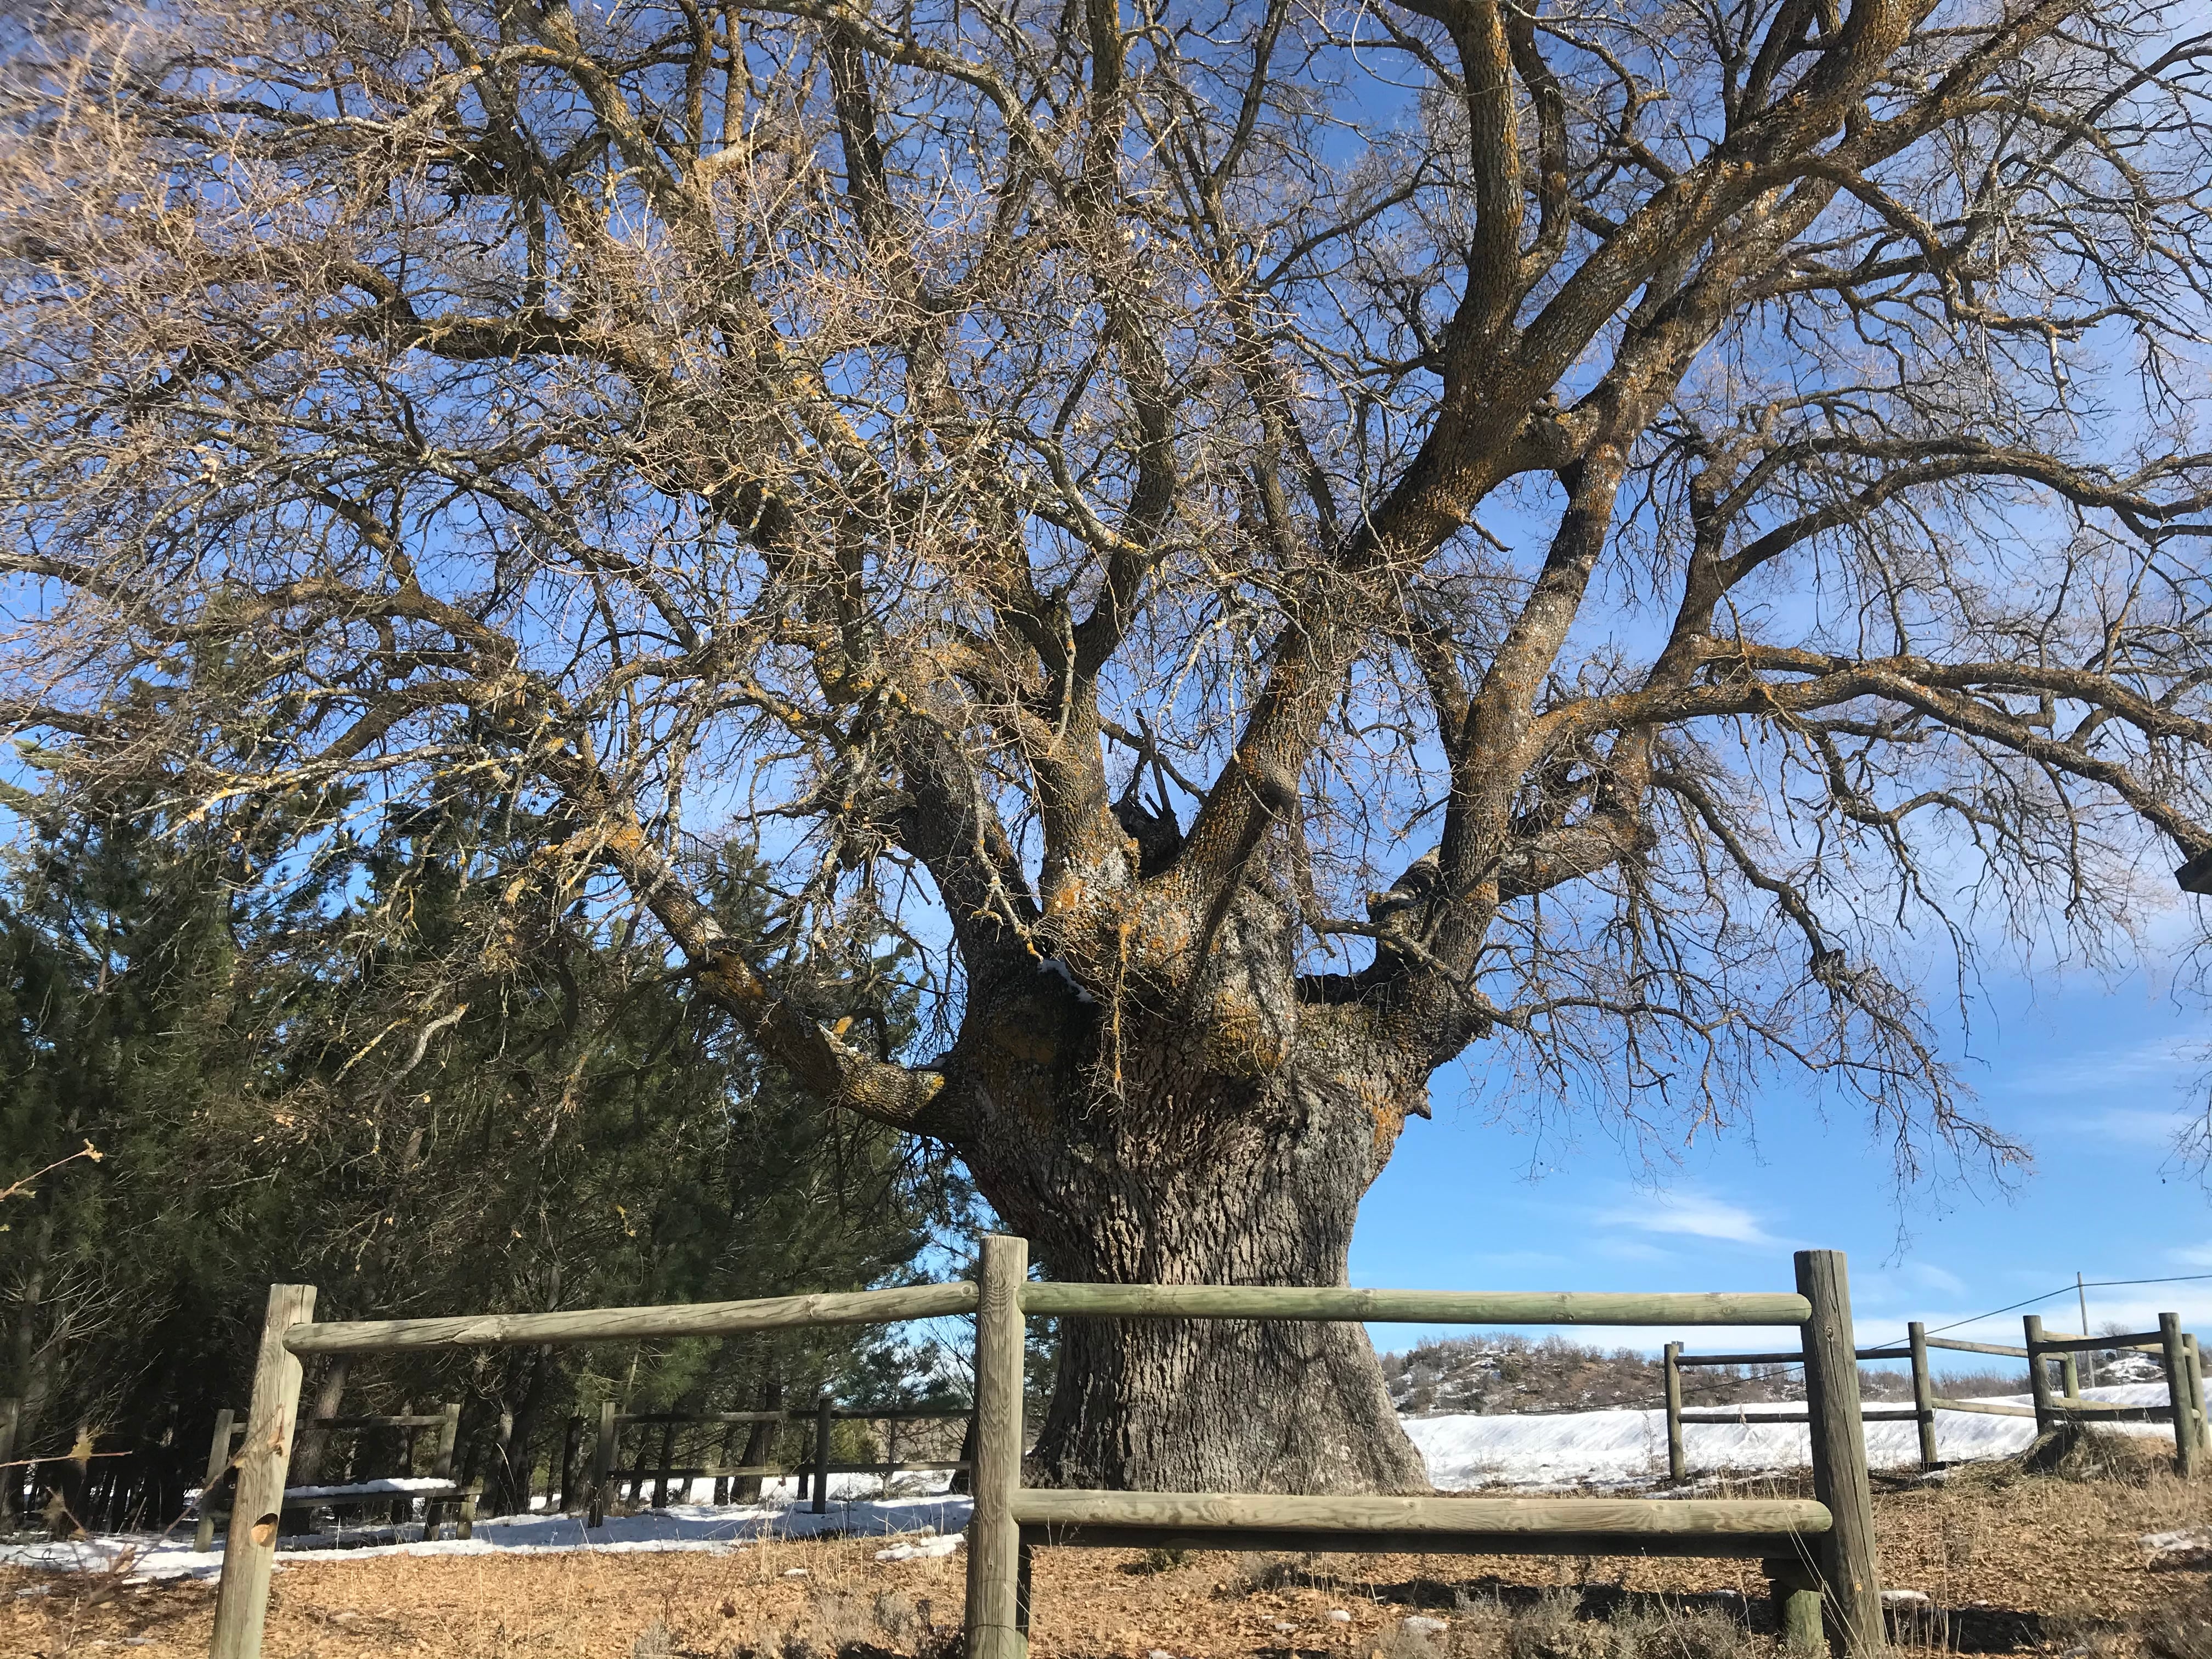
<point>679,1527</point>
<point>1619,1449</point>
<point>1626,1449</point>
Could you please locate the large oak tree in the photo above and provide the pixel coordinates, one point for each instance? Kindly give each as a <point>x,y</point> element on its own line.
<point>1278,543</point>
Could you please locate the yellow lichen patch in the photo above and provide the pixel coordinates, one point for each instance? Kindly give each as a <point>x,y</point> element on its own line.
<point>1240,1039</point>
<point>1066,896</point>
<point>1389,1108</point>
<point>726,976</point>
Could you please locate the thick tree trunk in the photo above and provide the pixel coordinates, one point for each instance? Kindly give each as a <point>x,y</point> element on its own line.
<point>1192,1167</point>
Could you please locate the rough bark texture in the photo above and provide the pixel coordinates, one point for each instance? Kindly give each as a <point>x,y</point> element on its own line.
<point>1180,1171</point>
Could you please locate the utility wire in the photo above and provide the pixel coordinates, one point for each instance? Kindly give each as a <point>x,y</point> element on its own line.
<point>2052,1296</point>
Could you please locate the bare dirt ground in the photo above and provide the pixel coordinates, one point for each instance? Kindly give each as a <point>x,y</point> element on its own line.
<point>2024,1563</point>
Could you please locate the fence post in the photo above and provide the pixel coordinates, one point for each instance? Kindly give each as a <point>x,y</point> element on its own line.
<point>1796,1588</point>
<point>572,1439</point>
<point>1848,1563</point>
<point>1676,1464</point>
<point>2187,1452</point>
<point>995,1549</point>
<point>822,1425</point>
<point>449,1440</point>
<point>602,1465</point>
<point>2196,1390</point>
<point>218,1465</point>
<point>257,1510</point>
<point>11,1475</point>
<point>668,1462</point>
<point>1923,1391</point>
<point>2039,1376</point>
<point>2069,1376</point>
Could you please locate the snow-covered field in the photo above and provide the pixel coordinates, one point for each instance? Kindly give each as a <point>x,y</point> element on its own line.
<point>1616,1448</point>
<point>1628,1448</point>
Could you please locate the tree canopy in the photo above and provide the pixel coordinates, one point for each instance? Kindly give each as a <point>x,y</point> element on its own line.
<point>1271,543</point>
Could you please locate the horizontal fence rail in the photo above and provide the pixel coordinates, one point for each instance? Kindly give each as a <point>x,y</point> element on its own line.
<point>2053,1406</point>
<point>616,1324</point>
<point>1789,1536</point>
<point>1815,1553</point>
<point>1761,1528</point>
<point>1051,1297</point>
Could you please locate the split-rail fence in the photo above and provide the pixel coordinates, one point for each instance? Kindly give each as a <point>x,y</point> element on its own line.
<point>813,1475</point>
<point>442,1495</point>
<point>1819,1553</point>
<point>2179,1363</point>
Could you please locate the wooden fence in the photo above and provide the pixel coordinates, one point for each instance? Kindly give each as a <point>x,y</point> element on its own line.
<point>447,1496</point>
<point>2180,1362</point>
<point>812,1473</point>
<point>1819,1552</point>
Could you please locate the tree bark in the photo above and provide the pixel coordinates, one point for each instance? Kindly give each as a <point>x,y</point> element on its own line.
<point>1181,1160</point>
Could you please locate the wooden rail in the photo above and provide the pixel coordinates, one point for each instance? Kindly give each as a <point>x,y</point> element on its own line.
<point>230,1425</point>
<point>1427,1526</point>
<point>1816,1554</point>
<point>2182,1364</point>
<point>615,1324</point>
<point>813,1472</point>
<point>1410,1307</point>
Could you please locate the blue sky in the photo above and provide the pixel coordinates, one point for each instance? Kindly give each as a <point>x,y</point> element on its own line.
<point>2096,1077</point>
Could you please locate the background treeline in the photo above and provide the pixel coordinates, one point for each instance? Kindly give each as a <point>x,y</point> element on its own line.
<point>332,1046</point>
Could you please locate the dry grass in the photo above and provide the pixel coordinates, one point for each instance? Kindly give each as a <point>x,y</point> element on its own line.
<point>2022,1562</point>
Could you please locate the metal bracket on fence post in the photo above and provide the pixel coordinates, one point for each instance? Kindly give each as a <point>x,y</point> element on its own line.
<point>994,1544</point>
<point>1676,1463</point>
<point>1923,1392</point>
<point>1849,1571</point>
<point>2187,1449</point>
<point>265,1458</point>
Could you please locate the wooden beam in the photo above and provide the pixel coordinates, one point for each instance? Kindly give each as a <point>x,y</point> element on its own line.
<point>2038,1378</point>
<point>1202,1512</point>
<point>996,1626</point>
<point>1794,1585</point>
<point>1741,1419</point>
<point>2048,1344</point>
<point>1741,1359</point>
<point>1982,1408</point>
<point>822,1419</point>
<point>618,1324</point>
<point>2187,1453</point>
<point>602,1463</point>
<point>264,1457</point>
<point>1750,1546</point>
<point>218,1470</point>
<point>1677,1465</point>
<point>1062,1299</point>
<point>1849,1565</point>
<point>1956,1345</point>
<point>1923,1391</point>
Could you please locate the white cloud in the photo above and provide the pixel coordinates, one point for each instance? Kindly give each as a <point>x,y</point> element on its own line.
<point>1691,1215</point>
<point>2132,1126</point>
<point>2171,1058</point>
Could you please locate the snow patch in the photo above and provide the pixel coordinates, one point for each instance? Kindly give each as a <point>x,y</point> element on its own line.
<point>145,1557</point>
<point>1628,1448</point>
